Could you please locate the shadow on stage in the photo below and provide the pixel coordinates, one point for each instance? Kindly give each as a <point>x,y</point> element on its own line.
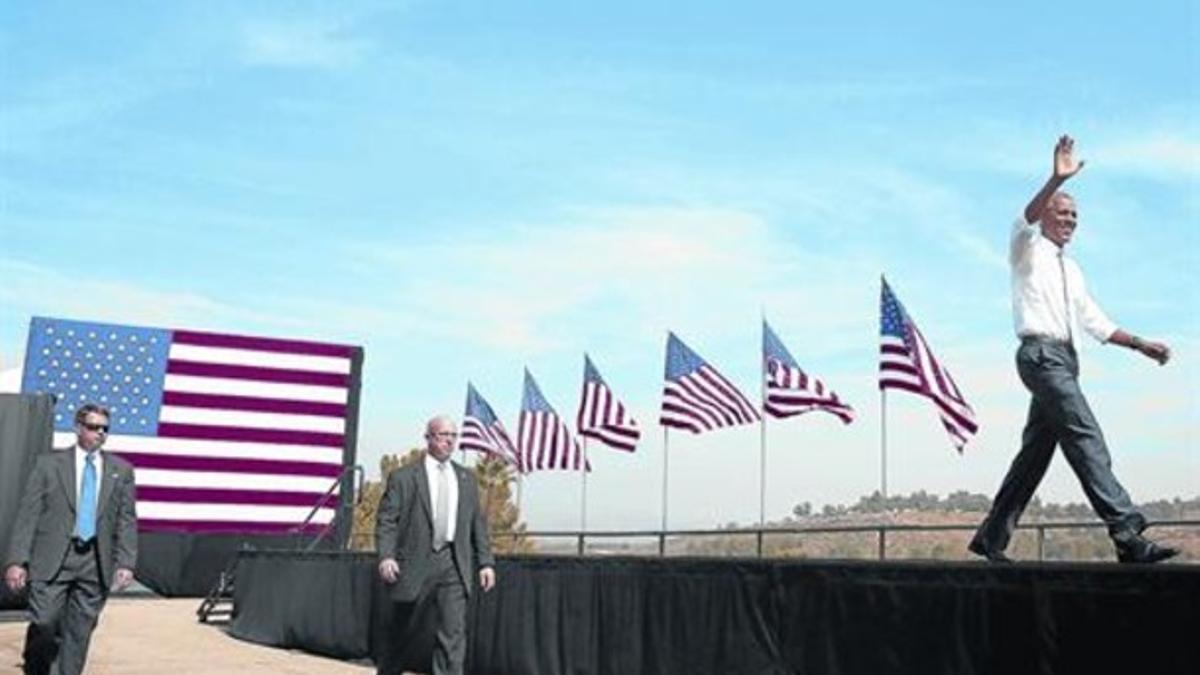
<point>655,616</point>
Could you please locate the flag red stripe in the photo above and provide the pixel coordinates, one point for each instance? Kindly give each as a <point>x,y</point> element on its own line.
<point>190,495</point>
<point>245,434</point>
<point>704,401</point>
<point>681,424</point>
<point>253,404</point>
<point>613,437</point>
<point>697,424</point>
<point>229,465</point>
<point>226,526</point>
<point>258,373</point>
<point>201,339</point>
<point>696,406</point>
<point>733,398</point>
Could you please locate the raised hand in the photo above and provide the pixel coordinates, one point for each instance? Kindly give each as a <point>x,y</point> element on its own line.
<point>1065,164</point>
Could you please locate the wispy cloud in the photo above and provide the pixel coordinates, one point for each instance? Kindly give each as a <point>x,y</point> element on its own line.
<point>301,43</point>
<point>934,208</point>
<point>642,268</point>
<point>33,289</point>
<point>1167,155</point>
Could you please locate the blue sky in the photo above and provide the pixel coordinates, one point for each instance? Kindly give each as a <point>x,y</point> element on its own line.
<point>466,189</point>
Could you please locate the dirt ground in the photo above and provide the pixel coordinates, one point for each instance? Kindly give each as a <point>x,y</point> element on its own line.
<point>152,636</point>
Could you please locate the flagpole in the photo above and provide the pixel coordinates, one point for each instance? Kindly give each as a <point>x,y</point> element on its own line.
<point>762,433</point>
<point>583,498</point>
<point>762,462</point>
<point>883,443</point>
<point>666,447</point>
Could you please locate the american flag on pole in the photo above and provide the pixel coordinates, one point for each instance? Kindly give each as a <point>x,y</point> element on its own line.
<point>698,398</point>
<point>227,433</point>
<point>601,415</point>
<point>907,363</point>
<point>483,432</point>
<point>791,391</point>
<point>543,440</point>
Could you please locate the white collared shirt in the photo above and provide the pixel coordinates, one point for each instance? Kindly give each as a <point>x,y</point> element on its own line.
<point>1040,306</point>
<point>431,474</point>
<point>80,462</point>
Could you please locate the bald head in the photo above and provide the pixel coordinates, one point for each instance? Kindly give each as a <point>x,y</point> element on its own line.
<point>440,437</point>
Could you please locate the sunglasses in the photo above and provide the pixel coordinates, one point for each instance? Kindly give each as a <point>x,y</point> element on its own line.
<point>95,427</point>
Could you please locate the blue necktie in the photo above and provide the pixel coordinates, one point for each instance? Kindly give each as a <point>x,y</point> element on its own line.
<point>85,513</point>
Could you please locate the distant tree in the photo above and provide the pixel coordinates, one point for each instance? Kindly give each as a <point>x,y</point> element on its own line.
<point>873,503</point>
<point>966,502</point>
<point>495,479</point>
<point>362,536</point>
<point>802,510</point>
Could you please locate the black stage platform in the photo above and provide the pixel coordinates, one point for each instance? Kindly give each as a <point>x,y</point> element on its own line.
<point>630,616</point>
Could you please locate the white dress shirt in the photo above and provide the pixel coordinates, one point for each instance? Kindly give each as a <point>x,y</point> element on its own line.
<point>1040,305</point>
<point>431,474</point>
<point>80,462</point>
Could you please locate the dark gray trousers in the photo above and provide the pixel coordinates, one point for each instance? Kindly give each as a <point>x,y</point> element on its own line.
<point>450,640</point>
<point>439,612</point>
<point>1058,416</point>
<point>63,612</point>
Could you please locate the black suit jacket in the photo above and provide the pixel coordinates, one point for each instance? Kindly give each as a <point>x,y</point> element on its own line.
<point>46,518</point>
<point>404,529</point>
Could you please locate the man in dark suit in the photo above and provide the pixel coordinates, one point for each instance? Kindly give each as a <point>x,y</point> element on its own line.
<point>74,539</point>
<point>433,544</point>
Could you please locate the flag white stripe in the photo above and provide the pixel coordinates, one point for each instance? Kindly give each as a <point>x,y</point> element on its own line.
<point>700,414</point>
<point>791,391</point>
<point>906,372</point>
<point>727,392</point>
<point>227,480</point>
<point>707,411</point>
<point>251,420</point>
<point>701,391</point>
<point>260,359</point>
<point>722,402</point>
<point>219,385</point>
<point>153,445</point>
<point>241,513</point>
<point>690,416</point>
<point>948,394</point>
<point>733,402</point>
<point>543,448</point>
<point>603,418</point>
<point>920,370</point>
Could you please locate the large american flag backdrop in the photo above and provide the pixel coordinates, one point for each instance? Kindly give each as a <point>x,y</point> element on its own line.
<point>907,363</point>
<point>227,433</point>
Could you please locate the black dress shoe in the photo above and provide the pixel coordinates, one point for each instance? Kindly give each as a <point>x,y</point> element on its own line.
<point>991,555</point>
<point>1142,550</point>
